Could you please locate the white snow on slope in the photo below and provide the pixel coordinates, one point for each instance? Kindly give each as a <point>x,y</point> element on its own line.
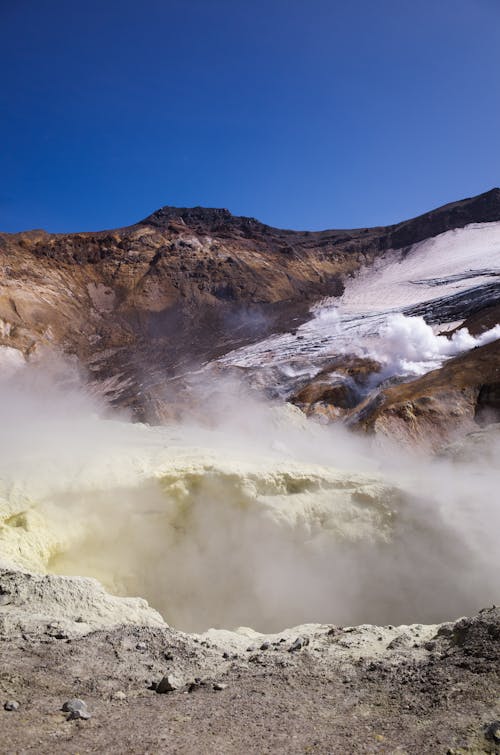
<point>451,262</point>
<point>456,261</point>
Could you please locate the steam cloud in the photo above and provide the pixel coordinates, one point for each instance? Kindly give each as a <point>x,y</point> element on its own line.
<point>259,519</point>
<point>408,345</point>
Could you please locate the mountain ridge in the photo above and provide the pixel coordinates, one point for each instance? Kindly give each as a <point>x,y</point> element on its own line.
<point>136,305</point>
<point>486,203</point>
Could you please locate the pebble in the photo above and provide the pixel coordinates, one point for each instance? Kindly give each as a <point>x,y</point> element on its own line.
<point>76,708</point>
<point>265,646</point>
<point>141,646</point>
<point>225,656</point>
<point>11,705</point>
<point>493,732</point>
<point>218,686</point>
<point>119,695</point>
<point>168,656</point>
<point>5,599</point>
<point>299,643</point>
<point>167,684</point>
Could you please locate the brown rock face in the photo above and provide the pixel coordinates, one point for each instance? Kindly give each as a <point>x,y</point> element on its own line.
<point>139,304</point>
<point>441,405</point>
<point>336,389</point>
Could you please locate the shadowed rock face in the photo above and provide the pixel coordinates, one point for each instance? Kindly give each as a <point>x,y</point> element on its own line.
<point>336,389</point>
<point>139,304</point>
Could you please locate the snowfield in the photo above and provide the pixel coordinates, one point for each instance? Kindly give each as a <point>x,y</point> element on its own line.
<point>393,303</point>
<point>450,263</point>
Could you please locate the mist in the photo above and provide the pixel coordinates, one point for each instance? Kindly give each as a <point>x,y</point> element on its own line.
<point>408,345</point>
<point>251,515</point>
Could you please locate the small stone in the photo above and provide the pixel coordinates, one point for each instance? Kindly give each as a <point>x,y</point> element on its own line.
<point>225,656</point>
<point>493,732</point>
<point>167,684</point>
<point>218,686</point>
<point>119,695</point>
<point>141,646</point>
<point>74,704</point>
<point>265,646</point>
<point>76,708</point>
<point>299,643</point>
<point>168,656</point>
<point>5,599</point>
<point>11,705</point>
<point>250,648</point>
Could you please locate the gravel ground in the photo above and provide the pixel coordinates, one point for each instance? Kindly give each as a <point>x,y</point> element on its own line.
<point>345,690</point>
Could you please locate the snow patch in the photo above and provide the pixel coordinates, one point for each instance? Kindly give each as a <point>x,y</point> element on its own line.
<point>446,264</point>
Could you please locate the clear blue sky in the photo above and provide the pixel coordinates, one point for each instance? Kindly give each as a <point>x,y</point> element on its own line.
<point>302,113</point>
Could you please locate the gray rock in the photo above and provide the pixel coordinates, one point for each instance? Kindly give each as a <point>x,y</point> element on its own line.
<point>167,684</point>
<point>493,732</point>
<point>11,705</point>
<point>74,704</point>
<point>299,643</point>
<point>76,708</point>
<point>141,646</point>
<point>5,599</point>
<point>218,686</point>
<point>265,646</point>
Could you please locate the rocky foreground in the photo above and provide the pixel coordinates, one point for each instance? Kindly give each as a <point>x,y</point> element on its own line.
<point>128,683</point>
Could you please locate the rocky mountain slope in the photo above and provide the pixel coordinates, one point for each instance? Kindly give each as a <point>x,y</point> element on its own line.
<point>138,305</point>
<point>449,402</point>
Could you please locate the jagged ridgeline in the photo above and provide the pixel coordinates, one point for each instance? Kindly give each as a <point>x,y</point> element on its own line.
<point>142,304</point>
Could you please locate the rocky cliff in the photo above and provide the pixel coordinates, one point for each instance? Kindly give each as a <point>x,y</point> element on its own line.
<point>138,304</point>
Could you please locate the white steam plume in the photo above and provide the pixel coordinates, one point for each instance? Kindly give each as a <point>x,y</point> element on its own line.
<point>408,345</point>
<point>261,519</point>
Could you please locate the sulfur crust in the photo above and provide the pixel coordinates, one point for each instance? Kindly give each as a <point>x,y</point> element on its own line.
<point>194,525</point>
<point>306,497</point>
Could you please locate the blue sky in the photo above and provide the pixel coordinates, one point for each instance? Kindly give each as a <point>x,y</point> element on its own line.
<point>302,113</point>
